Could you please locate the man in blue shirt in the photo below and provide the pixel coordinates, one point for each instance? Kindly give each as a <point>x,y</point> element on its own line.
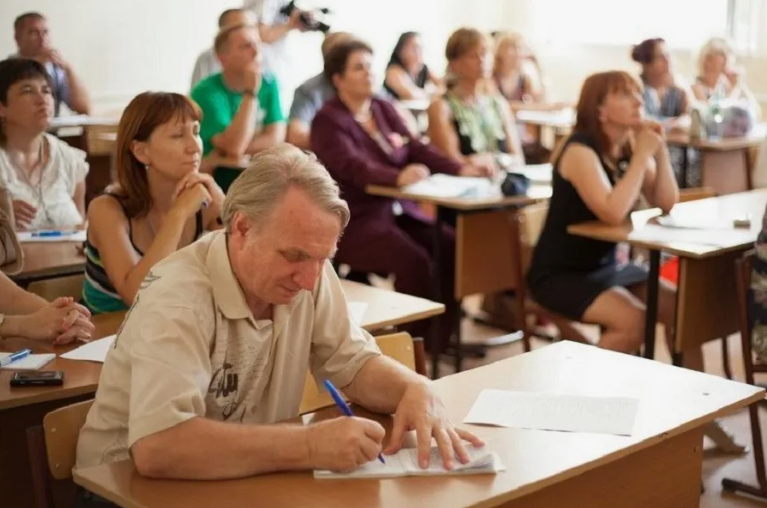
<point>33,42</point>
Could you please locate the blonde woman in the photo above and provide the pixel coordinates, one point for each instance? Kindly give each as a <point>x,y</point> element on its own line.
<point>718,76</point>
<point>516,73</point>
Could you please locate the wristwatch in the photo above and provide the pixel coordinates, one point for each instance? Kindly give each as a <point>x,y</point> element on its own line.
<point>252,93</point>
<point>2,320</point>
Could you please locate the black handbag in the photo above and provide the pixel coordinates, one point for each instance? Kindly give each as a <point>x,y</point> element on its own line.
<point>515,184</point>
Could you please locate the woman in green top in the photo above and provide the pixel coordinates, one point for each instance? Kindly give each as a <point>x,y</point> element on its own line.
<point>159,204</point>
<point>469,123</point>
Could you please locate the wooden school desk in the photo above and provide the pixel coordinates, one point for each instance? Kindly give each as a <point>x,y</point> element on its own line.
<point>21,408</point>
<point>25,407</point>
<point>487,237</point>
<point>726,165</point>
<point>389,308</point>
<point>49,260</point>
<point>706,298</point>
<point>658,466</point>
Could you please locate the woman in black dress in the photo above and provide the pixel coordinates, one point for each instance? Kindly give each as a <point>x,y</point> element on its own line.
<point>612,158</point>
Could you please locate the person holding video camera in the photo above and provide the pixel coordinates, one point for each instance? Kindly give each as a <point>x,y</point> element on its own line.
<point>276,20</point>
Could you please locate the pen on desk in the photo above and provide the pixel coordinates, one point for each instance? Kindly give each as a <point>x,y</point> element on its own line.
<point>51,233</point>
<point>18,355</point>
<point>343,406</point>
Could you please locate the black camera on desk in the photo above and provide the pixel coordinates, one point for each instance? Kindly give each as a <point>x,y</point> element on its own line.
<point>314,20</point>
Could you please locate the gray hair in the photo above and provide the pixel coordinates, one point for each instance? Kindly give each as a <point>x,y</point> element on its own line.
<point>267,179</point>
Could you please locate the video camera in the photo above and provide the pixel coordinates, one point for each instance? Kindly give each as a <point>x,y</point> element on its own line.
<point>312,20</point>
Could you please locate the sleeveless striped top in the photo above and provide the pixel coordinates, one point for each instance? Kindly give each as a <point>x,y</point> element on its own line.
<point>99,294</point>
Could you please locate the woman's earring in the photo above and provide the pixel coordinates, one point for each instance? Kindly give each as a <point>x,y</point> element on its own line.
<point>147,167</point>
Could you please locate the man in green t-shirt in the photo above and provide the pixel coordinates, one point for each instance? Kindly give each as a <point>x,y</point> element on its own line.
<point>241,111</point>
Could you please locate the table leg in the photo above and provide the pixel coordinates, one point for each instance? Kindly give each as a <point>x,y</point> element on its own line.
<point>651,312</point>
<point>685,166</point>
<point>436,347</point>
<point>747,159</point>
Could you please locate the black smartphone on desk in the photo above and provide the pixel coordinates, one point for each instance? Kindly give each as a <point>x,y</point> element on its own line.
<point>35,378</point>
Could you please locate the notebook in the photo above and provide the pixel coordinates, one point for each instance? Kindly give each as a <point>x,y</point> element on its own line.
<point>29,362</point>
<point>405,463</point>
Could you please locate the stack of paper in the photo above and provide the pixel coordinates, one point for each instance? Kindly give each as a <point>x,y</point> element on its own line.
<point>448,186</point>
<point>29,362</point>
<point>546,411</point>
<point>405,463</point>
<point>95,351</point>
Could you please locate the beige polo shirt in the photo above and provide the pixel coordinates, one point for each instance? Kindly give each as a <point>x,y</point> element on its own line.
<point>190,347</point>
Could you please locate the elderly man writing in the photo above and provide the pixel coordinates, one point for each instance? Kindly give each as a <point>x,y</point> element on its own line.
<point>215,348</point>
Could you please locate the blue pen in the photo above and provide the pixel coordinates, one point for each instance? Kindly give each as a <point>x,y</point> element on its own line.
<point>343,406</point>
<point>51,233</point>
<point>18,355</point>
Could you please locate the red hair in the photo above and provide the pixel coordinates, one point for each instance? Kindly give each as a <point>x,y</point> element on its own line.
<point>595,90</point>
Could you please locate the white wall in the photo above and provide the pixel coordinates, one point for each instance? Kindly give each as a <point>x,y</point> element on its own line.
<point>123,47</point>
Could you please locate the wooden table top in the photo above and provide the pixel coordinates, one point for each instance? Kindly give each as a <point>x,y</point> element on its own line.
<point>60,122</point>
<point>672,401</point>
<point>536,192</point>
<point>558,118</point>
<point>385,308</point>
<point>389,308</point>
<point>51,259</point>
<point>79,377</point>
<point>720,208</point>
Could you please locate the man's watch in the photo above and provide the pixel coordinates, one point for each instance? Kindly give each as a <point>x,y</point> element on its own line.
<point>251,92</point>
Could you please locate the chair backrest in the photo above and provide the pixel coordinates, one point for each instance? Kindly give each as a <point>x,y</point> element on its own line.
<point>695,193</point>
<point>743,268</point>
<point>532,219</point>
<point>399,346</point>
<point>50,289</point>
<point>62,429</point>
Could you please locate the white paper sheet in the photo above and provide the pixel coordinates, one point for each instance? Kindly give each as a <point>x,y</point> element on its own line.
<point>357,311</point>
<point>537,173</point>
<point>29,362</point>
<point>405,463</point>
<point>544,411</point>
<point>76,236</point>
<point>448,186</point>
<point>95,351</point>
<point>715,238</point>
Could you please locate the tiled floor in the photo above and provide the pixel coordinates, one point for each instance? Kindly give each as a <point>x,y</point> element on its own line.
<point>714,468</point>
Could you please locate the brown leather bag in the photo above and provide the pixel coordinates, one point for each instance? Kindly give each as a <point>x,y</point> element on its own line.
<point>11,255</point>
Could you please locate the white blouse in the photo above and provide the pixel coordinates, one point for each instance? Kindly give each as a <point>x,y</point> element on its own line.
<point>65,169</point>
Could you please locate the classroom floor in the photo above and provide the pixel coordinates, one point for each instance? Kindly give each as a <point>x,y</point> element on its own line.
<point>714,468</point>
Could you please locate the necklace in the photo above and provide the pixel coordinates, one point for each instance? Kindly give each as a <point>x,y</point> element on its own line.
<point>37,189</point>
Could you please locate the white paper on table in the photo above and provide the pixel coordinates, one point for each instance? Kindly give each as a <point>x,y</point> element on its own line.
<point>95,351</point>
<point>405,463</point>
<point>537,173</point>
<point>29,362</point>
<point>448,186</point>
<point>548,411</point>
<point>669,221</point>
<point>75,236</point>
<point>357,311</point>
<point>652,233</point>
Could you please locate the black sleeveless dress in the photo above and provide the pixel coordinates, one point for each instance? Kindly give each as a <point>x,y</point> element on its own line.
<point>568,272</point>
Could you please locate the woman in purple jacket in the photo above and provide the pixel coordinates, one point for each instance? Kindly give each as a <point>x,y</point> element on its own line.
<point>362,141</point>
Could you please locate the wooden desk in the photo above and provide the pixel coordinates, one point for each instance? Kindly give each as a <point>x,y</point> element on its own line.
<point>658,466</point>
<point>720,158</point>
<point>389,308</point>
<point>487,238</point>
<point>706,288</point>
<point>21,408</point>
<point>50,260</point>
